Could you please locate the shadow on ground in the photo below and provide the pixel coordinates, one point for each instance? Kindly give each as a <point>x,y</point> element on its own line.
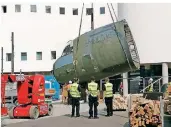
<point>126,124</point>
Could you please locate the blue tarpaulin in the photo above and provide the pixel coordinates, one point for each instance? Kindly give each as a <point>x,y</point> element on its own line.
<point>54,84</point>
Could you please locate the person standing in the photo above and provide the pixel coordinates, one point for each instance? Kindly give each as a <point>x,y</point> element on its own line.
<point>75,92</point>
<point>93,92</point>
<point>121,89</point>
<point>150,86</point>
<point>108,94</point>
<point>64,94</point>
<point>69,96</point>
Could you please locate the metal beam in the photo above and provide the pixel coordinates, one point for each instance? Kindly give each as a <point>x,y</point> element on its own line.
<point>12,53</point>
<point>2,59</point>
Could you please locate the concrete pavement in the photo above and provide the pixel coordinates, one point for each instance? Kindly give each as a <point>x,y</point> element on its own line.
<point>61,117</point>
<point>118,120</point>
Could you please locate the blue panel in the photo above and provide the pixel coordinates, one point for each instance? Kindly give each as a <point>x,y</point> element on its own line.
<point>55,85</point>
<point>65,60</point>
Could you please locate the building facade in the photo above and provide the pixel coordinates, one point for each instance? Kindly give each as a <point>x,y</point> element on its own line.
<point>41,31</point>
<point>150,26</point>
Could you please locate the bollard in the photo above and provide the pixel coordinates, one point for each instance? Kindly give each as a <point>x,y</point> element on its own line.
<point>162,111</point>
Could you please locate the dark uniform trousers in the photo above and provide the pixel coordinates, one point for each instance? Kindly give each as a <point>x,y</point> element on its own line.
<point>93,101</point>
<point>75,104</point>
<point>109,105</point>
<point>69,98</point>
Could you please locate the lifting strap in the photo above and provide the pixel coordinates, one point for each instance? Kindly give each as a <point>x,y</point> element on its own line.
<point>115,29</point>
<point>75,59</point>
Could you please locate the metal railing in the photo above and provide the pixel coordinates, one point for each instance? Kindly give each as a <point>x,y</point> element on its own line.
<point>137,85</point>
<point>152,84</point>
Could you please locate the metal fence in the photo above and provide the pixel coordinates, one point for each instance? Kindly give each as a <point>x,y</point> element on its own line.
<point>138,84</point>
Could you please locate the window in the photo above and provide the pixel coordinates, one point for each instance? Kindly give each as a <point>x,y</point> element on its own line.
<point>33,8</point>
<point>68,50</point>
<point>8,57</point>
<point>89,11</point>
<point>62,10</point>
<point>23,56</point>
<point>53,55</point>
<point>17,8</point>
<point>75,11</point>
<point>48,9</point>
<point>38,55</point>
<point>102,10</point>
<point>4,9</point>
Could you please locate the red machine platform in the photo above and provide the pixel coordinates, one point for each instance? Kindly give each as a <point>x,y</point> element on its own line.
<point>31,98</point>
<point>5,78</point>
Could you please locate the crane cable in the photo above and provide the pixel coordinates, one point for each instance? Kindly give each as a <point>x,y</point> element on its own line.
<point>114,12</point>
<point>115,29</point>
<point>75,59</point>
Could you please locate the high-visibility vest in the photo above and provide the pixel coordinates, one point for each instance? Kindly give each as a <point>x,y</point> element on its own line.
<point>151,88</point>
<point>109,90</point>
<point>74,90</point>
<point>93,89</point>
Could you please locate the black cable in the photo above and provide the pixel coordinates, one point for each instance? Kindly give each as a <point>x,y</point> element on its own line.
<point>114,12</point>
<point>115,29</point>
<point>75,60</point>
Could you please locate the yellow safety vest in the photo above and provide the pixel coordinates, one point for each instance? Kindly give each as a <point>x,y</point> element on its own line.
<point>109,90</point>
<point>74,90</point>
<point>92,88</point>
<point>150,89</point>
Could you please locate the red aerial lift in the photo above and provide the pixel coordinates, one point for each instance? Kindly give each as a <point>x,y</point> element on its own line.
<point>31,98</point>
<point>5,79</point>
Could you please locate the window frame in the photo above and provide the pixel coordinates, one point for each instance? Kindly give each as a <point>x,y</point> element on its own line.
<point>75,9</point>
<point>102,12</point>
<point>52,55</point>
<point>2,8</point>
<point>87,12</point>
<point>24,56</point>
<point>46,9</point>
<point>32,9</point>
<point>7,57</point>
<point>18,5</point>
<point>37,55</point>
<point>61,10</point>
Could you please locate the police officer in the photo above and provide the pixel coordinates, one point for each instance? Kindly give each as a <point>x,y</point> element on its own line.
<point>108,94</point>
<point>75,92</point>
<point>93,91</point>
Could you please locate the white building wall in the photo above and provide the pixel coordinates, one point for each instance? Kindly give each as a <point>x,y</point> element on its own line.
<point>150,25</point>
<point>44,32</point>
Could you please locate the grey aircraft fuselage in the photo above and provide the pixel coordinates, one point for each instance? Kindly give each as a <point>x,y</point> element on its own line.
<point>102,52</point>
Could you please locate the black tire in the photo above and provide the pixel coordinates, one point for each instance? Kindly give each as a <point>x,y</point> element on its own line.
<point>11,113</point>
<point>50,110</point>
<point>15,102</point>
<point>34,112</point>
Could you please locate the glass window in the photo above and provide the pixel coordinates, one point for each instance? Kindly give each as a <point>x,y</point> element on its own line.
<point>68,50</point>
<point>53,55</point>
<point>62,10</point>
<point>4,9</point>
<point>75,11</point>
<point>38,55</point>
<point>17,8</point>
<point>23,56</point>
<point>48,9</point>
<point>8,57</point>
<point>33,8</point>
<point>89,11</point>
<point>102,10</point>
